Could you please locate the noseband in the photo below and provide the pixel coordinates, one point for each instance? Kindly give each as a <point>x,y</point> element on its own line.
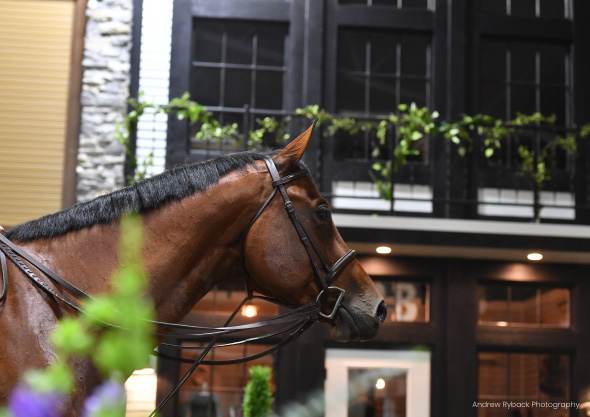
<point>295,321</point>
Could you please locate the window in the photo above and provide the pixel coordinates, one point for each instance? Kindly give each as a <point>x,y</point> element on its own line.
<point>218,390</point>
<point>535,384</point>
<point>553,9</point>
<point>523,305</point>
<point>362,58</point>
<point>226,296</point>
<point>406,301</point>
<point>237,64</point>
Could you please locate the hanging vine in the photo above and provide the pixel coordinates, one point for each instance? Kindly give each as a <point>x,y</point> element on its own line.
<point>410,124</point>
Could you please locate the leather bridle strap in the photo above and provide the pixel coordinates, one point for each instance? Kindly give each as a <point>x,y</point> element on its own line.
<point>307,240</point>
<point>4,272</point>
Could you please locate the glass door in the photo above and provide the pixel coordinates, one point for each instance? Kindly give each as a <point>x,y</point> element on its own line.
<point>377,383</point>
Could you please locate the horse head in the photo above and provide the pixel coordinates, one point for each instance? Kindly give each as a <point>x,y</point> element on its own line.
<point>276,258</point>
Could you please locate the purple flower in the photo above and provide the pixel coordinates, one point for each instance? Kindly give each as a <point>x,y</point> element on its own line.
<point>107,399</point>
<point>25,402</point>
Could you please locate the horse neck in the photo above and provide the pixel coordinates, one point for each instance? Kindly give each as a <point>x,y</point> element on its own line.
<point>189,245</point>
<point>195,243</point>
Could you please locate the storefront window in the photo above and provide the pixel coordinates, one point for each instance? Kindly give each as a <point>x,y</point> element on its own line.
<point>523,384</point>
<point>218,390</point>
<point>406,301</point>
<point>514,305</point>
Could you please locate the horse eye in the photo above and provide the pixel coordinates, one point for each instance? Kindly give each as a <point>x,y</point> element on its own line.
<point>323,214</point>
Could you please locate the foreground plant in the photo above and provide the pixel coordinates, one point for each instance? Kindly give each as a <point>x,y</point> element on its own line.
<point>257,395</point>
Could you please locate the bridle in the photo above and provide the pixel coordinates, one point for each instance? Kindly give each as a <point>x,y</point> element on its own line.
<point>324,278</point>
<point>296,321</point>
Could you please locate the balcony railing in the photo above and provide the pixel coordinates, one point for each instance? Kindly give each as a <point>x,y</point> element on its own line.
<point>436,183</point>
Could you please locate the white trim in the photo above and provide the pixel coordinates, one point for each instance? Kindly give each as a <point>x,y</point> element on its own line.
<point>416,364</point>
<point>360,221</point>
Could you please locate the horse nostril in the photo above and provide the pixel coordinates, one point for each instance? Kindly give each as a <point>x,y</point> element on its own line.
<point>382,312</point>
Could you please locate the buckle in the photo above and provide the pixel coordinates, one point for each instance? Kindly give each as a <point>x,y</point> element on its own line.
<point>336,304</point>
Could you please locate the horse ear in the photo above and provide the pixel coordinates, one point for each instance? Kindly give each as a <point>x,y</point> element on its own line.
<point>292,154</point>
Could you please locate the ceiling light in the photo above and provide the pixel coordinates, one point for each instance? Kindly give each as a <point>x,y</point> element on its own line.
<point>534,256</point>
<point>249,311</point>
<point>383,250</point>
<point>380,384</point>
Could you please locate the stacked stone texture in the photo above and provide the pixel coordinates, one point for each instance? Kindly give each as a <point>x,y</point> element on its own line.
<point>105,90</point>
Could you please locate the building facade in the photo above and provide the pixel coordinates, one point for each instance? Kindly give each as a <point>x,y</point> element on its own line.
<point>471,323</point>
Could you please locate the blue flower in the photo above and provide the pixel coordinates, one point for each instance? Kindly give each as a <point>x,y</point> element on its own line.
<point>25,402</point>
<point>107,399</point>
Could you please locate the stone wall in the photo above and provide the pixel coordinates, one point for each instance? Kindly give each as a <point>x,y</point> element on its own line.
<point>105,90</point>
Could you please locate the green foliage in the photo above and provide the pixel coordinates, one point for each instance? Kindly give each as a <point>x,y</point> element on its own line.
<point>57,377</point>
<point>257,394</point>
<point>411,125</point>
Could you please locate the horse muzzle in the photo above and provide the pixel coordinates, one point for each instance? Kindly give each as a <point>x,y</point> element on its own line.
<point>353,322</point>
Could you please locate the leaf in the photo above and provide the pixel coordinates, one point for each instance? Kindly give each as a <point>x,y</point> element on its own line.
<point>455,140</point>
<point>72,337</point>
<point>489,152</point>
<point>403,107</point>
<point>416,135</point>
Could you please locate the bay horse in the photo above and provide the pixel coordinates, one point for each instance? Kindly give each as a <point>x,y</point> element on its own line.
<point>195,218</point>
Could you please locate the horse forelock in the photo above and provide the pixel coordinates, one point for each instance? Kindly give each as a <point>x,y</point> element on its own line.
<point>149,194</point>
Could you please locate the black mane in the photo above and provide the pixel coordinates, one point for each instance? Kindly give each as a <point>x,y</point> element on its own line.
<point>149,194</point>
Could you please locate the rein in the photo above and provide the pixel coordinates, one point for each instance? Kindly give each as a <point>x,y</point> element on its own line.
<point>295,321</point>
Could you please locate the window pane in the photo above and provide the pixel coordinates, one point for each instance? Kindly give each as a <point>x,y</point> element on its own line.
<point>555,306</point>
<point>493,375</point>
<point>523,62</point>
<point>382,95</point>
<point>237,87</point>
<point>553,102</point>
<point>553,63</point>
<point>406,301</point>
<point>374,391</point>
<point>350,93</point>
<point>524,374</point>
<point>418,4</point>
<point>554,377</point>
<point>527,304</point>
<point>493,99</point>
<point>349,146</point>
<point>383,53</point>
<point>213,390</point>
<point>414,55</point>
<point>523,305</point>
<point>352,51</point>
<point>523,99</point>
<point>493,61</point>
<point>493,303</point>
<point>413,91</point>
<point>271,44</point>
<point>523,8</point>
<point>206,83</point>
<point>208,40</point>
<point>554,9</point>
<point>269,90</point>
<point>239,43</point>
<point>493,6</point>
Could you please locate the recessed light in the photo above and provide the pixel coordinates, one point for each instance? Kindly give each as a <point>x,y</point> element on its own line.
<point>384,250</point>
<point>534,256</point>
<point>249,311</point>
